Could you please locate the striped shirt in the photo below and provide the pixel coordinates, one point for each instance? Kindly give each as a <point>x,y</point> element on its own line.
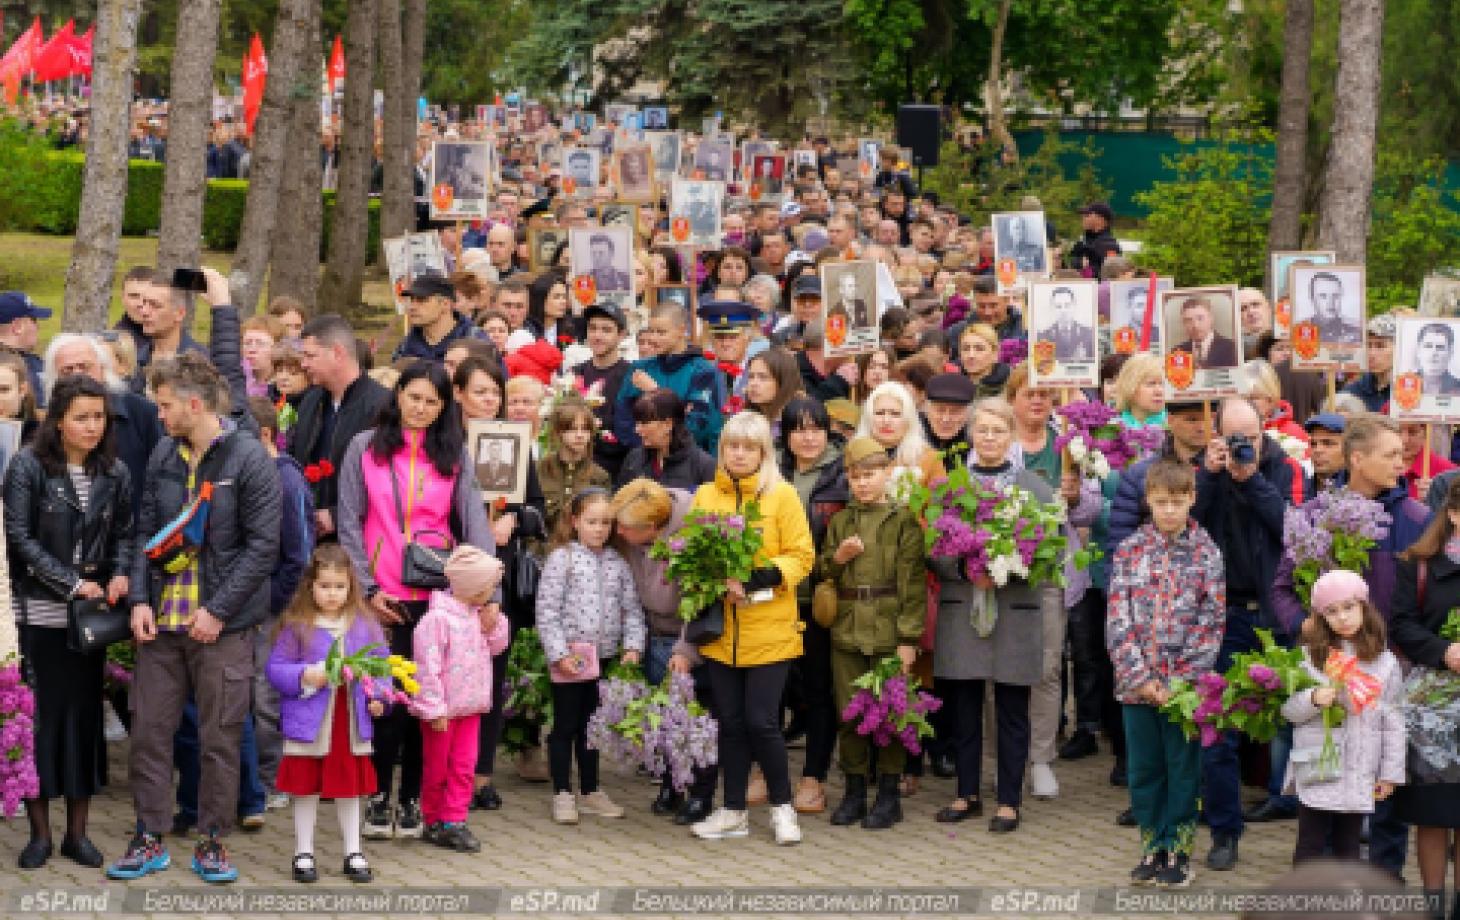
<point>44,611</point>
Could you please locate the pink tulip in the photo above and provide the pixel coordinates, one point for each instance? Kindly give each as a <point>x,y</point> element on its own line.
<point>348,674</point>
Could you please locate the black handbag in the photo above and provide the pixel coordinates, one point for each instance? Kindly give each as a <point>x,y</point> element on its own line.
<point>708,626</point>
<point>93,624</point>
<point>421,566</point>
<point>526,573</point>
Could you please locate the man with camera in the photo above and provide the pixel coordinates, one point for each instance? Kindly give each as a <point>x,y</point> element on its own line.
<point>1243,485</point>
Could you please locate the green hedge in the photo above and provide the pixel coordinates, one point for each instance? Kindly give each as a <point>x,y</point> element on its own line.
<point>40,192</point>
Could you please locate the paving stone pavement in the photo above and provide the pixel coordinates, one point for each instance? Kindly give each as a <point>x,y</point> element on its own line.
<point>1070,841</point>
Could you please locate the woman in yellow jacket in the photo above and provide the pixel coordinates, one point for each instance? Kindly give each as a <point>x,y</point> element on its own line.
<point>748,663</point>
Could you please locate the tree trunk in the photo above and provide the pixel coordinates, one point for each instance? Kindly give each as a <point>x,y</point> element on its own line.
<point>413,53</point>
<point>344,269</point>
<point>397,194</point>
<point>291,61</point>
<point>1343,214</point>
<point>104,178</point>
<point>294,269</point>
<point>1286,229</point>
<point>994,90</point>
<point>190,112</point>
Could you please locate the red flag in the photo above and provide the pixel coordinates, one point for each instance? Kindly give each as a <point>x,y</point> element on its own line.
<point>255,71</point>
<point>1150,311</point>
<point>337,64</point>
<point>17,61</point>
<point>81,53</point>
<point>53,60</point>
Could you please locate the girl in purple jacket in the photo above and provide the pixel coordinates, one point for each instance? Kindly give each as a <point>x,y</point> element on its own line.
<point>326,731</point>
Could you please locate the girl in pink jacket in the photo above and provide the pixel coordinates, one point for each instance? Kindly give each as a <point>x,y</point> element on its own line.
<point>454,645</point>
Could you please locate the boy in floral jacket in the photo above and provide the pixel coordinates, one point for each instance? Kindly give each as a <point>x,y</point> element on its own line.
<point>1166,615</point>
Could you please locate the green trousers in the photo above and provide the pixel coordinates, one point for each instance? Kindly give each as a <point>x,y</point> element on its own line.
<point>854,750</point>
<point>1164,773</point>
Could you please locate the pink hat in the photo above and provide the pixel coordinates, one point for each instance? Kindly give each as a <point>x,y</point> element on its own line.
<point>472,572</point>
<point>1338,586</point>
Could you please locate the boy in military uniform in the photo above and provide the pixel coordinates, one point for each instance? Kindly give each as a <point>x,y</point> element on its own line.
<point>873,554</point>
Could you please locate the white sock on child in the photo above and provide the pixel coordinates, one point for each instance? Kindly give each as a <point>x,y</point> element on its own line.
<point>348,811</point>
<point>306,808</point>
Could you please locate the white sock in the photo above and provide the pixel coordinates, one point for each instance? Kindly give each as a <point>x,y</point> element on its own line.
<point>348,811</point>
<point>306,807</point>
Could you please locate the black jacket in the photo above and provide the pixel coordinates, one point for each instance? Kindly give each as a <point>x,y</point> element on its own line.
<point>53,545</point>
<point>137,429</point>
<point>241,542</point>
<point>414,345</point>
<point>1415,625</point>
<point>829,495</point>
<point>824,387</point>
<point>687,468</point>
<point>361,404</point>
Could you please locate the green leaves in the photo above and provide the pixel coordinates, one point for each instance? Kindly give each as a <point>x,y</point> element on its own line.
<point>709,550</point>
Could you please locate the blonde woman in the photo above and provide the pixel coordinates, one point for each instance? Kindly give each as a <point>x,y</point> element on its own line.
<point>977,353</point>
<point>890,417</point>
<point>748,662</point>
<point>1140,391</point>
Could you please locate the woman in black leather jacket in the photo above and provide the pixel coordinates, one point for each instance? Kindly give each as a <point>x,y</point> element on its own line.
<point>68,526</point>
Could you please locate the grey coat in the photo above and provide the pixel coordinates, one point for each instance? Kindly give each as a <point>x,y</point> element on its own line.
<point>1014,652</point>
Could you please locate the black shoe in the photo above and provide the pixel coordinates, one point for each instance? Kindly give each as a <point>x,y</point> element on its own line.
<point>944,767</point>
<point>887,808</point>
<point>1001,825</point>
<point>82,852</point>
<point>305,870</point>
<point>379,819</point>
<point>1117,773</point>
<point>408,819</point>
<point>458,837</point>
<point>182,825</point>
<point>35,854</point>
<point>667,802</point>
<point>486,799</point>
<point>357,869</point>
<point>950,815</point>
<point>694,810</point>
<point>1178,872</point>
<point>853,806</point>
<point>431,832</point>
<point>1150,866</point>
<point>1223,855</point>
<point>1266,811</point>
<point>1081,744</point>
<point>1126,818</point>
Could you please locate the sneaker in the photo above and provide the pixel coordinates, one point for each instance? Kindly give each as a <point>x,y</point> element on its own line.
<point>486,798</point>
<point>457,836</point>
<point>598,803</point>
<point>252,823</point>
<point>1150,866</point>
<point>1042,784</point>
<point>278,801</point>
<point>379,819</point>
<point>408,820</point>
<point>783,822</point>
<point>565,808</point>
<point>144,856</point>
<point>1178,872</point>
<point>723,824</point>
<point>1223,855</point>
<point>112,728</point>
<point>210,861</point>
<point>431,833</point>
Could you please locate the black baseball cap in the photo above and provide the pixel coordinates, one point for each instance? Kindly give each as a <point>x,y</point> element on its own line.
<point>807,284</point>
<point>430,284</point>
<point>1101,208</point>
<point>606,311</point>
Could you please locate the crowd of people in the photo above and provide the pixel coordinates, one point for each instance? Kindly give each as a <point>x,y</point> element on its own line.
<point>257,498</point>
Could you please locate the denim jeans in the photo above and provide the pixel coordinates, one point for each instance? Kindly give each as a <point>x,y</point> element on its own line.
<point>1388,838</point>
<point>1221,772</point>
<point>251,795</point>
<point>656,657</point>
<point>1281,747</point>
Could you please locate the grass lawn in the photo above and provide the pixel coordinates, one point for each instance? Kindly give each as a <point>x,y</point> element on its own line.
<point>36,264</point>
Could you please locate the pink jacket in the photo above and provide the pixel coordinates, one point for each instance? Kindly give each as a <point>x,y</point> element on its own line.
<point>454,659</point>
<point>426,498</point>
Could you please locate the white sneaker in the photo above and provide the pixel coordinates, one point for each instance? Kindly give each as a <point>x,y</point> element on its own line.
<point>598,803</point>
<point>112,728</point>
<point>277,801</point>
<point>565,808</point>
<point>783,822</point>
<point>724,823</point>
<point>1042,784</point>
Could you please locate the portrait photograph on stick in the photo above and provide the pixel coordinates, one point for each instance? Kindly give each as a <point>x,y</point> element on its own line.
<point>460,180</point>
<point>1063,316</point>
<point>849,307</point>
<point>1127,309</point>
<point>1440,296</point>
<point>695,212</point>
<point>542,246</point>
<point>1426,384</point>
<point>581,170</point>
<point>633,171</point>
<point>1020,236</point>
<point>604,255</point>
<point>1279,278</point>
<point>768,173</point>
<point>714,159</point>
<point>665,146</point>
<point>1201,342</point>
<point>1328,317</point>
<point>501,452</point>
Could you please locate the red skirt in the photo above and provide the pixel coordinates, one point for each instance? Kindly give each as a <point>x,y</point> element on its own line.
<point>338,774</point>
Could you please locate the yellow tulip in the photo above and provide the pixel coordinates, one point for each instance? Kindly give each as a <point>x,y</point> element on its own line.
<point>412,687</point>
<point>395,661</point>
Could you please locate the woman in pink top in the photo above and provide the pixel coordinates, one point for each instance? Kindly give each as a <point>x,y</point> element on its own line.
<point>417,454</point>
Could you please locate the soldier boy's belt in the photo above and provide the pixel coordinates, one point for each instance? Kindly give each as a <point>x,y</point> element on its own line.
<point>865,592</point>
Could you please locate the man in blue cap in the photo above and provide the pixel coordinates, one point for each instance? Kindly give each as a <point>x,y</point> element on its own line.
<point>731,324</point>
<point>1325,443</point>
<point>20,331</point>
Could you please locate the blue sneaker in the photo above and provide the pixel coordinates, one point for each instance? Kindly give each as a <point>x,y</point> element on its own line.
<point>211,863</point>
<point>145,855</point>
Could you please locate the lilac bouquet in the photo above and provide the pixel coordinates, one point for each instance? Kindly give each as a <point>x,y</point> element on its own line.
<point>1012,351</point>
<point>709,550</point>
<point>18,779</point>
<point>1335,530</point>
<point>888,707</point>
<point>663,729</point>
<point>1247,699</point>
<point>1099,442</point>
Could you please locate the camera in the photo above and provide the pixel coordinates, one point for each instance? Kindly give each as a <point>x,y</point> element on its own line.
<point>1241,448</point>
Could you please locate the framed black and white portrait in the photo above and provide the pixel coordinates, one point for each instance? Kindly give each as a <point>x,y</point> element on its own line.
<point>715,159</point>
<point>542,246</point>
<point>1440,296</point>
<point>1201,338</point>
<point>849,310</point>
<point>1127,309</point>
<point>461,182</point>
<point>665,147</point>
<point>696,208</point>
<point>656,118</point>
<point>1063,317</point>
<point>1426,386</point>
<point>1328,317</point>
<point>1020,235</point>
<point>501,452</point>
<point>605,254</point>
<point>581,170</point>
<point>1279,277</point>
<point>634,172</point>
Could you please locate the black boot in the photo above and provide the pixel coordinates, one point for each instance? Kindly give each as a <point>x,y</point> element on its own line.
<point>887,809</point>
<point>668,801</point>
<point>853,806</point>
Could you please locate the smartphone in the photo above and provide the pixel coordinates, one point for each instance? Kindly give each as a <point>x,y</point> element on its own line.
<point>189,279</point>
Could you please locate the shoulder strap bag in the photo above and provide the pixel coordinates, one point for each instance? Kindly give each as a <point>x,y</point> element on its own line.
<point>421,567</point>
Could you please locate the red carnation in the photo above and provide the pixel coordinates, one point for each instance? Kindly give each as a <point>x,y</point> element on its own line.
<point>733,405</point>
<point>311,473</point>
<point>326,469</point>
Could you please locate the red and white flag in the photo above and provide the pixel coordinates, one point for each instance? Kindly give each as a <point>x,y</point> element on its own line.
<point>337,64</point>
<point>255,73</point>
